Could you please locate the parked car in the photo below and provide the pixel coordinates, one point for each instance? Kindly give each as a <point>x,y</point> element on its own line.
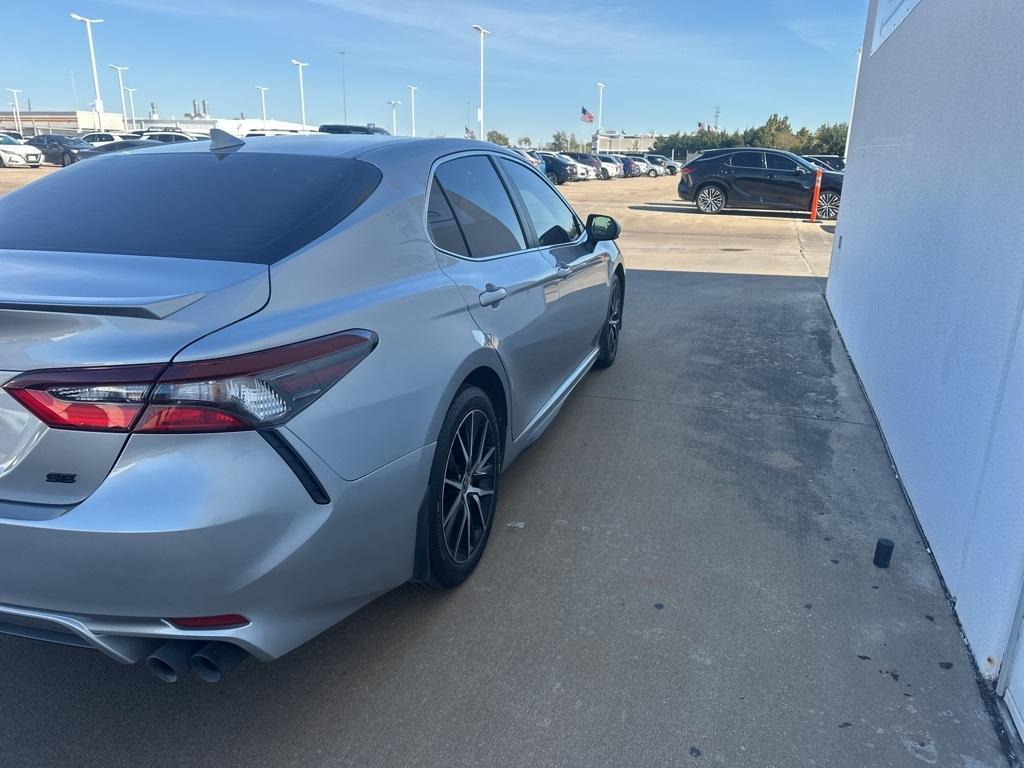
<point>97,139</point>
<point>169,137</point>
<point>365,130</point>
<point>660,161</point>
<point>630,167</point>
<point>828,162</point>
<point>16,155</point>
<point>117,146</point>
<point>584,172</point>
<point>558,168</point>
<point>757,178</point>
<point>643,167</point>
<point>531,159</point>
<point>16,135</point>
<point>228,429</point>
<point>62,150</point>
<point>613,165</point>
<point>589,160</point>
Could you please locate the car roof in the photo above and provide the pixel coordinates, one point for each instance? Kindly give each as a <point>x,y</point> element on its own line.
<point>353,146</point>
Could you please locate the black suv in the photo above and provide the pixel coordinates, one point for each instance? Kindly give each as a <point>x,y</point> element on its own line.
<point>744,177</point>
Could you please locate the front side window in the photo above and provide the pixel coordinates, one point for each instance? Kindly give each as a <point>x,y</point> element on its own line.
<point>747,160</point>
<point>553,220</point>
<point>481,206</point>
<point>781,163</point>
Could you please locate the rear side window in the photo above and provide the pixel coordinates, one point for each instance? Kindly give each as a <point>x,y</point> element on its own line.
<point>242,206</point>
<point>481,205</point>
<point>443,228</point>
<point>747,160</point>
<point>552,219</point>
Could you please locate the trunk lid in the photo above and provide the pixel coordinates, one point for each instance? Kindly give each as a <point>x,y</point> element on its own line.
<point>71,310</point>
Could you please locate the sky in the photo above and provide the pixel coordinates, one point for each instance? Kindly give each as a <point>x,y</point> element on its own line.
<point>666,64</point>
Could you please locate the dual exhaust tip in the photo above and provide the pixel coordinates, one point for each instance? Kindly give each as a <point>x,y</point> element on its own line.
<point>210,661</point>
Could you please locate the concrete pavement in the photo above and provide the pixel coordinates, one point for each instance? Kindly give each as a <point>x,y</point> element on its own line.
<point>680,573</point>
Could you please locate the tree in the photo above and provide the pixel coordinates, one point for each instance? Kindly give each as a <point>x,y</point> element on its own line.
<point>524,141</point>
<point>829,139</point>
<point>497,137</point>
<point>560,141</point>
<point>777,133</point>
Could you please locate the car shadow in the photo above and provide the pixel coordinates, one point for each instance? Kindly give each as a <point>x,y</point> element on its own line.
<point>687,208</point>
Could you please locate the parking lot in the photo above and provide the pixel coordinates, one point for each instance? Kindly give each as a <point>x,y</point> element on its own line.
<point>680,573</point>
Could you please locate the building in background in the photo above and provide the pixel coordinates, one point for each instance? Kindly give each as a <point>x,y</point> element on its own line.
<point>80,122</point>
<point>927,288</point>
<point>624,142</point>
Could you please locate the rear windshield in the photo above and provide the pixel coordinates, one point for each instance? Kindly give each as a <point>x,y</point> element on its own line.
<point>250,207</point>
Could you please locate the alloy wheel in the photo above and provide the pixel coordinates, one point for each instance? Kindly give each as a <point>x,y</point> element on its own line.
<point>614,322</point>
<point>467,494</point>
<point>828,205</point>
<point>710,200</point>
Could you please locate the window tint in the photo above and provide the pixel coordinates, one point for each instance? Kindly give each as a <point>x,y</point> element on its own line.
<point>251,207</point>
<point>482,206</point>
<point>781,162</point>
<point>443,228</point>
<point>552,219</point>
<point>747,160</point>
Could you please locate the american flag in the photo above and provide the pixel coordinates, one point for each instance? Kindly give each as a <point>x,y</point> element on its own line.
<point>469,133</point>
<point>586,116</point>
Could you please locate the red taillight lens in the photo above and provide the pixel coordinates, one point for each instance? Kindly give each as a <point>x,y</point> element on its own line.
<point>687,169</point>
<point>108,399</point>
<point>251,391</point>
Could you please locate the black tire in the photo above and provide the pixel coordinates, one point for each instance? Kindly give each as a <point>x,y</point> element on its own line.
<point>828,204</point>
<point>652,173</point>
<point>605,175</point>
<point>553,178</point>
<point>710,199</point>
<point>609,344</point>
<point>65,159</point>
<point>451,505</point>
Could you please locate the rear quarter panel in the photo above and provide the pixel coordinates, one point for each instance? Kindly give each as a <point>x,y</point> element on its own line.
<point>377,271</point>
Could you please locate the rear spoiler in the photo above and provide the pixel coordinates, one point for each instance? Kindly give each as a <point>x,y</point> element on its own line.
<point>149,307</point>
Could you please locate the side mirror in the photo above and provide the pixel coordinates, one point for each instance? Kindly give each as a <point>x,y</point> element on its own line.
<point>800,170</point>
<point>601,228</point>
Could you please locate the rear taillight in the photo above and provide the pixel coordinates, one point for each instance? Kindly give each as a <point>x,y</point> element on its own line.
<point>686,169</point>
<point>251,391</point>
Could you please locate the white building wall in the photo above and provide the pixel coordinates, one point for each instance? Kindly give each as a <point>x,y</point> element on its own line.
<point>927,287</point>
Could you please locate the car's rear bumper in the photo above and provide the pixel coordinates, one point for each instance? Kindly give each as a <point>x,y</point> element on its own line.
<point>685,190</point>
<point>204,525</point>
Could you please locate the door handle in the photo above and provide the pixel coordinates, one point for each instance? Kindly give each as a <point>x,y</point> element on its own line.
<point>492,296</point>
<point>564,270</point>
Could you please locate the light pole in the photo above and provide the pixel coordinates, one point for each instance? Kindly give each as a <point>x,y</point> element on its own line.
<point>98,104</point>
<point>17,109</point>
<point>302,90</point>
<point>480,113</point>
<point>344,90</point>
<point>394,116</point>
<point>412,96</point>
<point>131,103</point>
<point>120,88</point>
<point>849,125</point>
<point>263,102</point>
<point>600,105</point>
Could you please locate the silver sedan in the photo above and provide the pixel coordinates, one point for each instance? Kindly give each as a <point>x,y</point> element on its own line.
<point>246,388</point>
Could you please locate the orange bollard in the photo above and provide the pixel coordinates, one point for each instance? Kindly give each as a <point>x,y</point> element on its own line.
<point>814,197</point>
